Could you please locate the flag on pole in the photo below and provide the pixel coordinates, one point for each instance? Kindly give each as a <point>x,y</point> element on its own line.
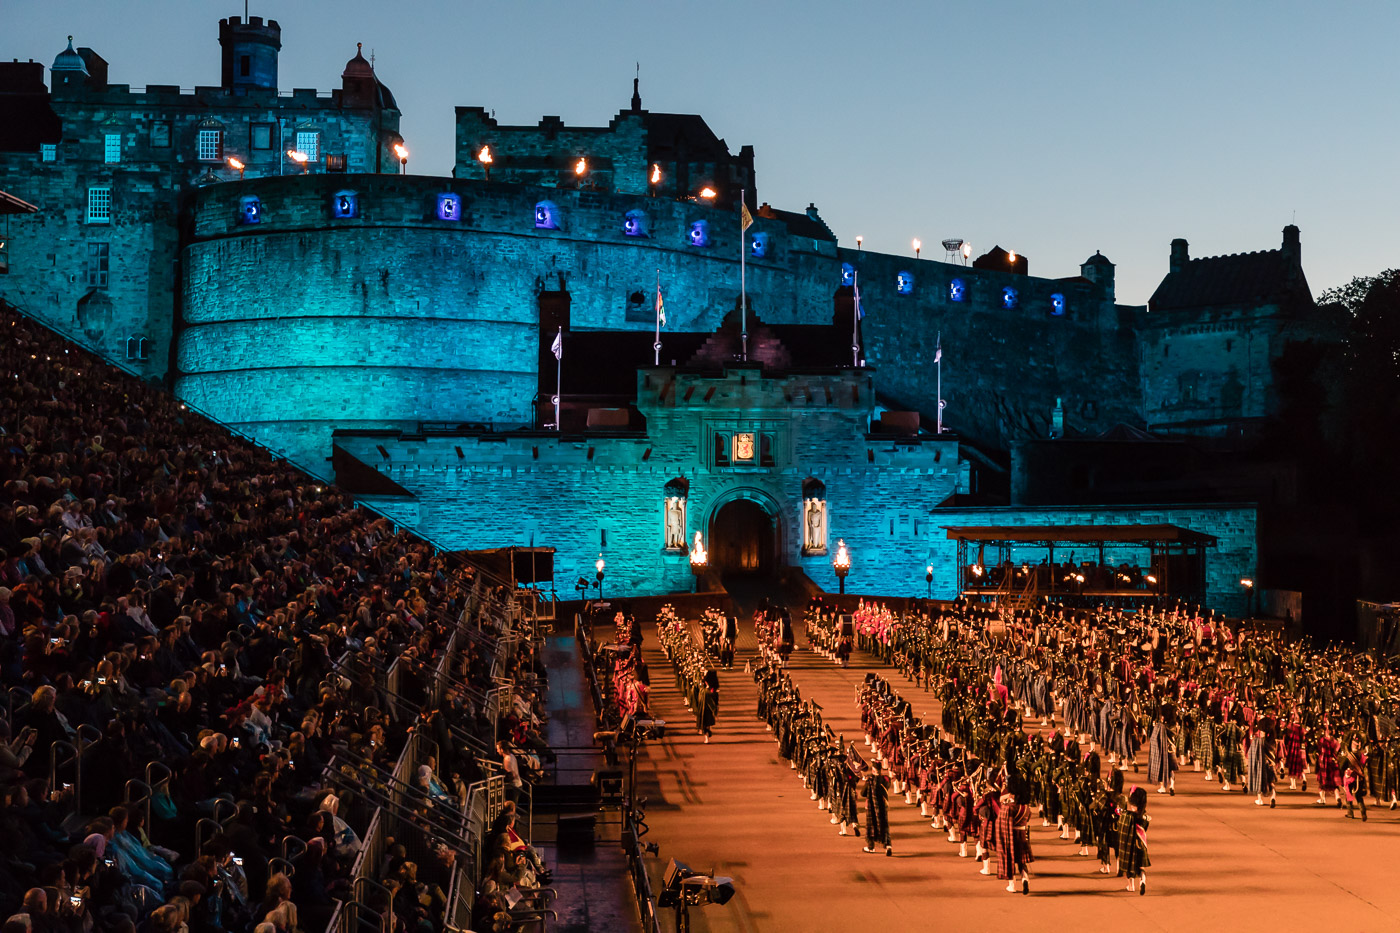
<point>557,347</point>
<point>660,308</point>
<point>860,312</point>
<point>745,218</point>
<point>938,350</point>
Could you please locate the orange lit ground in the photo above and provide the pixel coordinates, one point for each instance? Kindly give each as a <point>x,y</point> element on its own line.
<point>1219,862</point>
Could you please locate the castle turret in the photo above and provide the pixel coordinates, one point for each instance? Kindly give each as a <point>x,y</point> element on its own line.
<point>249,53</point>
<point>1099,270</point>
<point>1180,255</point>
<point>1292,245</point>
<point>68,68</point>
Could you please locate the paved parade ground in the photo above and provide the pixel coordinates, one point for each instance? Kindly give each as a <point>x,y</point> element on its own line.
<point>1218,861</point>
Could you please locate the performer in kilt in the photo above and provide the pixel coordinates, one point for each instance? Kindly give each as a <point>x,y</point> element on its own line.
<point>1295,756</point>
<point>877,813</point>
<point>1132,841</point>
<point>1161,758</point>
<point>1262,768</point>
<point>1013,837</point>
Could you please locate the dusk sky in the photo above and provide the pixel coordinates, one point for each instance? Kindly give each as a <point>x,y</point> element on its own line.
<point>1050,129</point>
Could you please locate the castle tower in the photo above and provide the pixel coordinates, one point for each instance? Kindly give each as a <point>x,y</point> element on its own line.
<point>249,53</point>
<point>1100,271</point>
<point>68,68</point>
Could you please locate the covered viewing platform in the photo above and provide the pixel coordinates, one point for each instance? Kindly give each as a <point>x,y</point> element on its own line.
<point>1127,565</point>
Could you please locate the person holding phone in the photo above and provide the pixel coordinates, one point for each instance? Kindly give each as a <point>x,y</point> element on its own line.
<point>14,754</point>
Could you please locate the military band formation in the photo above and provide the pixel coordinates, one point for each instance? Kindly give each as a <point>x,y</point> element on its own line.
<point>1045,714</point>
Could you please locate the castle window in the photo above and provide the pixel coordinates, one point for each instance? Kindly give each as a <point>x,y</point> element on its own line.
<point>136,348</point>
<point>546,216</point>
<point>721,450</point>
<point>848,274</point>
<point>98,257</point>
<point>245,65</point>
<point>699,234</point>
<point>249,210</point>
<point>160,135</point>
<point>1229,345</point>
<point>309,143</point>
<point>48,152</point>
<point>345,204</point>
<point>449,207</point>
<point>904,283</point>
<point>765,450</point>
<point>112,147</point>
<point>758,248</point>
<point>99,205</point>
<point>260,136</point>
<point>1009,298</point>
<point>635,224</point>
<point>335,163</point>
<point>1057,305</point>
<point>957,291</point>
<point>211,145</point>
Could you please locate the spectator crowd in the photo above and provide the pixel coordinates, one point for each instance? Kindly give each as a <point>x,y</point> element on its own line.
<point>195,638</point>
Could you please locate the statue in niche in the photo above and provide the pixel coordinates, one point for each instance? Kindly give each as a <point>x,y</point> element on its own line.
<point>814,525</point>
<point>675,523</point>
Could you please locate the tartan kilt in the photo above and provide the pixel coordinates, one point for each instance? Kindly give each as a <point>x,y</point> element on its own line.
<point>1329,775</point>
<point>1159,757</point>
<point>1132,849</point>
<point>1013,844</point>
<point>1295,759</point>
<point>1204,747</point>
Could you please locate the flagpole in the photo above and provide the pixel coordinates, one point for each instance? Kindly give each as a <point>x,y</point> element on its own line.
<point>559,378</point>
<point>855,319</point>
<point>743,279</point>
<point>657,346</point>
<point>938,361</point>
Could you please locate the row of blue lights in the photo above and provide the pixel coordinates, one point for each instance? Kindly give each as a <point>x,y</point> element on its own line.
<point>346,204</point>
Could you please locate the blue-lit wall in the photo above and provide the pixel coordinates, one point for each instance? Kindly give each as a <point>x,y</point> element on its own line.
<point>583,495</point>
<point>304,321</point>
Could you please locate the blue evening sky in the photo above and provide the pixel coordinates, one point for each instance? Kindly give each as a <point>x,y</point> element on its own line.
<point>1053,129</point>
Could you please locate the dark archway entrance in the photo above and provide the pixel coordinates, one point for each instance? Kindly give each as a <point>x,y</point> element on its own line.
<point>742,539</point>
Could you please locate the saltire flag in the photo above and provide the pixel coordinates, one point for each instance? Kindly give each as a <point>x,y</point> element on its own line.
<point>557,347</point>
<point>660,308</point>
<point>938,350</point>
<point>745,218</point>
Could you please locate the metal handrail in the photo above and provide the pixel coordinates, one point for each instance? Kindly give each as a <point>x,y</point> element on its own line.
<point>359,898</point>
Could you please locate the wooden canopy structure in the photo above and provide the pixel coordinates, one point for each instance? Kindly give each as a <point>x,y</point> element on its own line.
<point>1176,565</point>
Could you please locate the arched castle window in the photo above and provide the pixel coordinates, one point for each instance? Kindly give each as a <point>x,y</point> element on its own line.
<point>546,216</point>
<point>249,210</point>
<point>634,223</point>
<point>814,517</point>
<point>957,290</point>
<point>449,207</point>
<point>758,246</point>
<point>1009,298</point>
<point>699,234</point>
<point>904,283</point>
<point>1057,305</point>
<point>848,274</point>
<point>345,204</point>
<point>677,492</point>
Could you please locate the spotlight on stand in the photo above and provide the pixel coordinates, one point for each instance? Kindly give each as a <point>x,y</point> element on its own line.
<point>684,888</point>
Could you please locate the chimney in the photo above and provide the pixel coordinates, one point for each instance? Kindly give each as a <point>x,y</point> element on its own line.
<point>1292,246</point>
<point>1180,257</point>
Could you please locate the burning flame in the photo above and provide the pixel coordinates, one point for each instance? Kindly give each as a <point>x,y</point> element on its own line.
<point>655,174</point>
<point>697,551</point>
<point>484,156</point>
<point>581,166</point>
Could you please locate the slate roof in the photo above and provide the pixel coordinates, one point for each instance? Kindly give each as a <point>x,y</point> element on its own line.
<point>667,133</point>
<point>1258,278</point>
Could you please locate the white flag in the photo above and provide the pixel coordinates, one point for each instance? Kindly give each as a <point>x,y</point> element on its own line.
<point>557,347</point>
<point>938,351</point>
